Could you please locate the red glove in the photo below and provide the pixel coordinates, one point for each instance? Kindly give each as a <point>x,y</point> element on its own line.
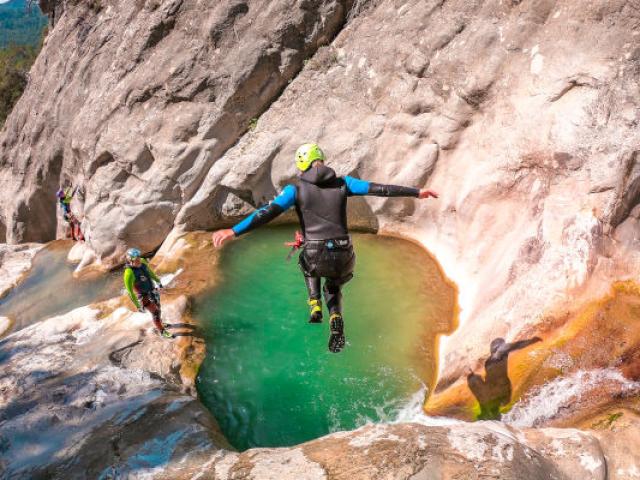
<point>427,194</point>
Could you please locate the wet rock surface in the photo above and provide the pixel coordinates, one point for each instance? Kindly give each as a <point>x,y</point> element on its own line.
<point>91,395</point>
<point>15,261</point>
<point>96,393</point>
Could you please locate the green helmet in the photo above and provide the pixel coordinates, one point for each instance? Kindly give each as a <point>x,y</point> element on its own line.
<point>307,154</point>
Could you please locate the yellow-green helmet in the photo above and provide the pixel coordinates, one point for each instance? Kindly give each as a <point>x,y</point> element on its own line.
<point>307,154</point>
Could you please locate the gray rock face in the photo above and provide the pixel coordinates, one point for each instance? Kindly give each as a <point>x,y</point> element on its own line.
<point>136,100</point>
<point>523,115</point>
<point>89,395</point>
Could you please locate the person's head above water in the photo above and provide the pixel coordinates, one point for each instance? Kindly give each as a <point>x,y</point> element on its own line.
<point>307,154</point>
<point>496,344</point>
<point>132,256</point>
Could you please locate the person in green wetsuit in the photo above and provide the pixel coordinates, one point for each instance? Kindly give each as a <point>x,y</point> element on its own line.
<point>64,197</point>
<point>139,281</point>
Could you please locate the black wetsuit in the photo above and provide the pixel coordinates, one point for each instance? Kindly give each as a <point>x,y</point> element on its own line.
<point>320,199</point>
<point>321,204</point>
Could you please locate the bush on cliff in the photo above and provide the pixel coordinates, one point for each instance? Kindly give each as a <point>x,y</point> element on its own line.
<point>15,62</point>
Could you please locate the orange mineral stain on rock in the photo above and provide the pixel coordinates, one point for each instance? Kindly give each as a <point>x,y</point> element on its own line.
<point>600,334</point>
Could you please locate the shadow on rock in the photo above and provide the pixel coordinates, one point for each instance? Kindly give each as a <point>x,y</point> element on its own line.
<point>189,330</point>
<point>493,392</point>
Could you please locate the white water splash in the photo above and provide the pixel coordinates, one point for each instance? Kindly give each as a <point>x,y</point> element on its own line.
<point>412,412</point>
<point>395,412</point>
<point>545,402</point>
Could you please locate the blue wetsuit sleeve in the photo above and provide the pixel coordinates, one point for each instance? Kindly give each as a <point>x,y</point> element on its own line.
<point>287,198</point>
<point>265,214</point>
<point>243,226</point>
<point>355,186</point>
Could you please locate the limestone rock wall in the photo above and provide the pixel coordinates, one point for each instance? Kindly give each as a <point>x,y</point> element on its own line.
<point>135,101</point>
<point>183,114</point>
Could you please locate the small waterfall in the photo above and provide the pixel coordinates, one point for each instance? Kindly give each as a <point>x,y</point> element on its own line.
<point>546,401</point>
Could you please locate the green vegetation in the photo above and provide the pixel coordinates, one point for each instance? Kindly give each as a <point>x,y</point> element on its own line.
<point>22,29</point>
<point>21,23</point>
<point>607,422</point>
<point>15,62</point>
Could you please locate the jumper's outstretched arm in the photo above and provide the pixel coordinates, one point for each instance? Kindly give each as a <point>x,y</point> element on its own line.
<point>260,217</point>
<point>355,186</point>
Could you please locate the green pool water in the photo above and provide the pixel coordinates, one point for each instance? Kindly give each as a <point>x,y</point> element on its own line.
<point>268,376</point>
<point>49,288</point>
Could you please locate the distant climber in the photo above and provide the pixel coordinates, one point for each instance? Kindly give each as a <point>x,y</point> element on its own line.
<point>64,197</point>
<point>494,391</point>
<point>320,199</point>
<point>142,285</point>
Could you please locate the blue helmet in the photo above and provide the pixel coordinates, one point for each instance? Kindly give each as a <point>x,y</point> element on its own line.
<point>60,194</point>
<point>132,254</point>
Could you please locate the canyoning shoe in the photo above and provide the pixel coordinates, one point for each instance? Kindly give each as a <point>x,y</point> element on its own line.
<point>336,340</point>
<point>164,333</point>
<point>316,311</point>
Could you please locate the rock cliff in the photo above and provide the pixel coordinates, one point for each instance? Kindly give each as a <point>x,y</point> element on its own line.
<point>181,115</point>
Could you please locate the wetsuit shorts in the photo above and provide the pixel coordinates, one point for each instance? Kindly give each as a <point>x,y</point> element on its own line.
<point>147,298</point>
<point>332,258</point>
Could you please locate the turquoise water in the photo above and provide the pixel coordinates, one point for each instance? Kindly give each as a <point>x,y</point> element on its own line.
<point>269,378</point>
<point>49,288</point>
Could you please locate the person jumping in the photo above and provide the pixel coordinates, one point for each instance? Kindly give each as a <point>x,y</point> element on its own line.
<point>139,281</point>
<point>320,199</point>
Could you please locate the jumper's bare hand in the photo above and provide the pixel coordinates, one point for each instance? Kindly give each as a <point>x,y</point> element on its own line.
<point>221,236</point>
<point>427,194</point>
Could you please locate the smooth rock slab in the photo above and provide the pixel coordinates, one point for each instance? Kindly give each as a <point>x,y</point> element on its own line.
<point>71,406</point>
<point>419,452</point>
